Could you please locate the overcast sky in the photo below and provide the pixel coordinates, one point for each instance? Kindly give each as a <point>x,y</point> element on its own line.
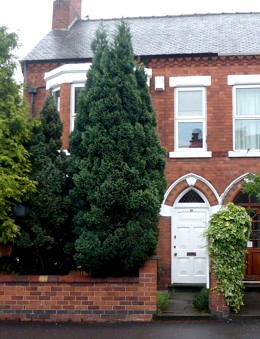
<point>31,19</point>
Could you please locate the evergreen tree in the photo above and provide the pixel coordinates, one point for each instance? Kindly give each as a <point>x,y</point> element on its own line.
<point>118,162</point>
<point>15,129</point>
<point>45,229</point>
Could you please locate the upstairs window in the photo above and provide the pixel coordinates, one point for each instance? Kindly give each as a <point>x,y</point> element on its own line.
<point>247,118</point>
<point>190,119</point>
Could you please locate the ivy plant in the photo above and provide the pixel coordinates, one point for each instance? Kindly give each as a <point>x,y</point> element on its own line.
<point>228,234</point>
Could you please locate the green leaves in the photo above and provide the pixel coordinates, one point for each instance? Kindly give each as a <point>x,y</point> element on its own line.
<point>228,234</point>
<point>46,229</point>
<point>118,162</point>
<point>15,131</point>
<point>252,185</point>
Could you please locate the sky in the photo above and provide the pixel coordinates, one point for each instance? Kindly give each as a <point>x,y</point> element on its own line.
<point>31,19</point>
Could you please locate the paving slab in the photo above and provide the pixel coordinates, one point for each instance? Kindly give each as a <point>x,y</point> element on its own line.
<point>181,306</point>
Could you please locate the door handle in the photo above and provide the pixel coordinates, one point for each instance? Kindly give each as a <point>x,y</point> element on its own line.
<point>175,254</point>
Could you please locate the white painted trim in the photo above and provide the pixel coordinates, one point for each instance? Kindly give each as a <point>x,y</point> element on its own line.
<point>159,83</point>
<point>68,73</point>
<point>215,209</point>
<point>185,177</point>
<point>190,81</point>
<point>190,154</point>
<point>149,73</point>
<point>232,184</point>
<point>244,154</point>
<point>245,79</point>
<point>166,210</point>
<point>72,102</point>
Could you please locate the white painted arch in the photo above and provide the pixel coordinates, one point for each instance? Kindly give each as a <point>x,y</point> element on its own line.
<point>191,178</point>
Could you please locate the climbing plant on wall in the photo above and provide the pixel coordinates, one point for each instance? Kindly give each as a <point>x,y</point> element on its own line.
<point>228,234</point>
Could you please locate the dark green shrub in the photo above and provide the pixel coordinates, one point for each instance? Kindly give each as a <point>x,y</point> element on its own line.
<point>163,300</point>
<point>201,300</point>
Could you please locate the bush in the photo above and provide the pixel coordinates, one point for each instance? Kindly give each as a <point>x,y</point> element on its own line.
<point>163,300</point>
<point>228,234</point>
<point>201,300</point>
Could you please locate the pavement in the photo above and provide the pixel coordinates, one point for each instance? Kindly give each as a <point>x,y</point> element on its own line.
<point>202,329</point>
<point>181,305</point>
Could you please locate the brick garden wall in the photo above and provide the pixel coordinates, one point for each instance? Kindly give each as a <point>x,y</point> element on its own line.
<point>79,298</point>
<point>217,303</point>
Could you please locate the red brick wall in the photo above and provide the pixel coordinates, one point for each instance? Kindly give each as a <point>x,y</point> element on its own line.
<point>65,12</point>
<point>217,303</point>
<point>65,113</point>
<point>79,298</point>
<point>220,170</point>
<point>34,78</point>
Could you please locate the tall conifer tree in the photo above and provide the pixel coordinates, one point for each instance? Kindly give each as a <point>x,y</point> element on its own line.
<point>118,162</point>
<point>45,229</point>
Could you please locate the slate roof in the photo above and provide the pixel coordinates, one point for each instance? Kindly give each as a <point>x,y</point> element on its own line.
<point>224,34</point>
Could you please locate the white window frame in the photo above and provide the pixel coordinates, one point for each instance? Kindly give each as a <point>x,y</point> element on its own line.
<point>190,83</point>
<point>57,89</point>
<point>193,119</point>
<point>73,103</point>
<point>242,81</point>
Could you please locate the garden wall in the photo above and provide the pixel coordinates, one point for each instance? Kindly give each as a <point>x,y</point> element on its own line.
<point>79,298</point>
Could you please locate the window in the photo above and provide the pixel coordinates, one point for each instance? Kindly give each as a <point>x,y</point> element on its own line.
<point>75,91</point>
<point>251,204</point>
<point>191,197</point>
<point>246,117</point>
<point>56,97</point>
<point>190,116</point>
<point>190,119</point>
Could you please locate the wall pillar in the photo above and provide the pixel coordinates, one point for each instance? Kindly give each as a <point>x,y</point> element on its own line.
<point>217,303</point>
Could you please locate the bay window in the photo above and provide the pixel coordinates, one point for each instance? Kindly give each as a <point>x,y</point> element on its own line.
<point>75,91</point>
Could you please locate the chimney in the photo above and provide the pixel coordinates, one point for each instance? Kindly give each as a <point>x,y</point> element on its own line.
<point>65,12</point>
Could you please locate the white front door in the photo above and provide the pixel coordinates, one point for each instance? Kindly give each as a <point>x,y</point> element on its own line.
<point>189,246</point>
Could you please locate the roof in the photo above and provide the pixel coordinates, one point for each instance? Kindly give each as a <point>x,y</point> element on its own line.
<point>223,34</point>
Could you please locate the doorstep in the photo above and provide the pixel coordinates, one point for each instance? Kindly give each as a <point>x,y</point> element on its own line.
<point>181,306</point>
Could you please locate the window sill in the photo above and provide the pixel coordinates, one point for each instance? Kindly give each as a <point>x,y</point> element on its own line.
<point>244,154</point>
<point>190,154</point>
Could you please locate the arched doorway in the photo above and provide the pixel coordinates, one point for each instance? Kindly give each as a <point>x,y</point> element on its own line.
<point>189,246</point>
<point>252,205</point>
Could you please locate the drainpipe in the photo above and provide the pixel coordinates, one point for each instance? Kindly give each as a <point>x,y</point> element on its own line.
<point>32,91</point>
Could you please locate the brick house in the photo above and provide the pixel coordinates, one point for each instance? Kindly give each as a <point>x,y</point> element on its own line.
<point>204,79</point>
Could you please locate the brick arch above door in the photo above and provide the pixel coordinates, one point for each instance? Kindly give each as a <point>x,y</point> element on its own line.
<point>233,189</point>
<point>190,180</point>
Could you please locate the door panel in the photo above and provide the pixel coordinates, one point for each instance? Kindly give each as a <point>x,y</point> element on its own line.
<point>253,265</point>
<point>252,205</point>
<point>189,253</point>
